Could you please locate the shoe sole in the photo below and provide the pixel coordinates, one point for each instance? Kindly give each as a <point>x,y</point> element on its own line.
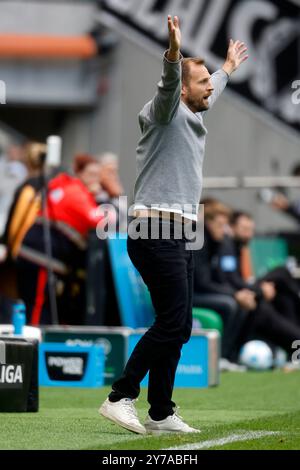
<point>106,415</point>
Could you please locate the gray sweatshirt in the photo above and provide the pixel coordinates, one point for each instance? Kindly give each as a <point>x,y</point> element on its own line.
<point>171,150</point>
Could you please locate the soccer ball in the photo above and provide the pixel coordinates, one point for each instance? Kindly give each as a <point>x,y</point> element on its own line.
<point>256,355</point>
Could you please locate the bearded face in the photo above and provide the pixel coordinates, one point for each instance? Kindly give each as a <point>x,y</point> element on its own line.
<point>197,89</point>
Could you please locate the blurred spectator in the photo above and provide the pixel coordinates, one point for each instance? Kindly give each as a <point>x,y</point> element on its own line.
<point>87,169</point>
<point>277,286</point>
<point>72,211</point>
<point>109,175</point>
<point>21,216</point>
<point>15,161</point>
<point>281,202</point>
<point>245,317</point>
<point>12,173</point>
<point>112,187</point>
<point>210,287</point>
<point>26,200</point>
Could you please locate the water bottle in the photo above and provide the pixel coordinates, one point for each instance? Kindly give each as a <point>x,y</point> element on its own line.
<point>19,318</point>
<point>53,158</point>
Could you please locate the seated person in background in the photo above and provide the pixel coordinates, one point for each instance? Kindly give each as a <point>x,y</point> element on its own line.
<point>26,199</point>
<point>72,212</point>
<point>210,287</point>
<point>277,286</point>
<point>244,316</point>
<point>22,213</point>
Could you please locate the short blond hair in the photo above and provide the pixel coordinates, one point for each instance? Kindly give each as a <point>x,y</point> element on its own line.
<point>185,67</point>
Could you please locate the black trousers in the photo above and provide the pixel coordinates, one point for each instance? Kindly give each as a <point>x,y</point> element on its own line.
<point>167,269</point>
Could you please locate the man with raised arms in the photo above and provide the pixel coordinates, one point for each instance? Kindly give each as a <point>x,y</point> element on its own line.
<point>167,191</point>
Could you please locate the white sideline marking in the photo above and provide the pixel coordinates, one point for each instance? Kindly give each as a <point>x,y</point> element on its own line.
<point>247,436</point>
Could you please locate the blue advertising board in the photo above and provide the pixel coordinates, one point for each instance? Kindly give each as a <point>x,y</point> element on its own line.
<point>71,366</point>
<point>135,306</point>
<point>194,368</point>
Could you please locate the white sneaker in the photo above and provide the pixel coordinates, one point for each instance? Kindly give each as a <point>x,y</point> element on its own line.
<point>172,424</point>
<point>123,412</point>
<point>227,366</point>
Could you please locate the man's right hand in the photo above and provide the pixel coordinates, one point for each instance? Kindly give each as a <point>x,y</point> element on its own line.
<point>246,299</point>
<point>174,39</point>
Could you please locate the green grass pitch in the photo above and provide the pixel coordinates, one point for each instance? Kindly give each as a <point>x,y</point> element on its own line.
<point>247,411</point>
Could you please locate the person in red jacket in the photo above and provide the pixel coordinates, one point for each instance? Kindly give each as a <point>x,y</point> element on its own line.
<point>71,200</point>
<point>71,211</point>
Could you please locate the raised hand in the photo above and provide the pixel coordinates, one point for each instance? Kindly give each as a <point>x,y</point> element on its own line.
<point>174,38</point>
<point>236,55</point>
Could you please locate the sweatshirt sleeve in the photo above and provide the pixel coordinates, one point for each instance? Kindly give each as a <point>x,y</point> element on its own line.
<point>219,80</point>
<point>167,98</point>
